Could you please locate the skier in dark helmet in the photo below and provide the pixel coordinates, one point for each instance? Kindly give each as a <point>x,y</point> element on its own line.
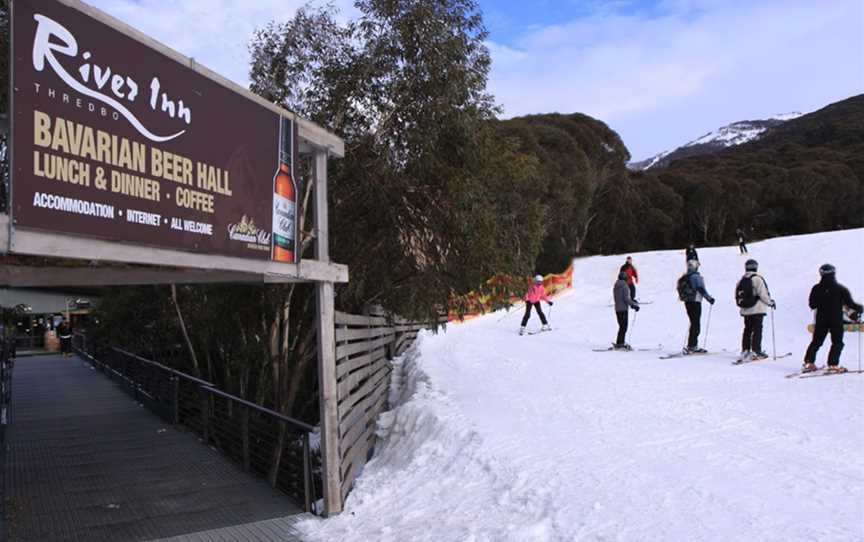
<point>742,241</point>
<point>690,253</point>
<point>623,302</point>
<point>691,290</point>
<point>754,300</point>
<point>828,299</point>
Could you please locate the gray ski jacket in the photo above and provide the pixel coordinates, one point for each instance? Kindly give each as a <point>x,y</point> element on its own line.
<point>621,293</point>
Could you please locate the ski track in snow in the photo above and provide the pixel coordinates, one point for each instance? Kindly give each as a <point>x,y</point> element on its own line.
<point>497,437</point>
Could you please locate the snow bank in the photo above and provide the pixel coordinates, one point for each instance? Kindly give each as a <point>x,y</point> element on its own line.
<point>431,479</point>
<point>497,437</point>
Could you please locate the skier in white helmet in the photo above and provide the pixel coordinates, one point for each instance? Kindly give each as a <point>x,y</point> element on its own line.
<point>535,294</point>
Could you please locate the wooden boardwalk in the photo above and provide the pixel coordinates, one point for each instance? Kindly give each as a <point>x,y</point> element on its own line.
<point>87,463</point>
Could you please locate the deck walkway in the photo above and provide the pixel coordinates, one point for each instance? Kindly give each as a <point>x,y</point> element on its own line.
<point>86,463</point>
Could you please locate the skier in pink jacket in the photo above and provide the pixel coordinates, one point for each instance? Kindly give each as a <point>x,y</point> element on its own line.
<point>536,293</point>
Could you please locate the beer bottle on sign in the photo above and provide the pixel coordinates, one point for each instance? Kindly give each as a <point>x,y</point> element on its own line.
<point>284,196</point>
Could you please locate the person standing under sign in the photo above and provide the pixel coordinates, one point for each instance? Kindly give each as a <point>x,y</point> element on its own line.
<point>64,332</point>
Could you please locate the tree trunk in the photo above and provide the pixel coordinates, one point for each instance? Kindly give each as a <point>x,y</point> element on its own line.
<point>183,329</point>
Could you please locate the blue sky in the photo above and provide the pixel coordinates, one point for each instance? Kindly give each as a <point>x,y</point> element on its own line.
<point>659,72</point>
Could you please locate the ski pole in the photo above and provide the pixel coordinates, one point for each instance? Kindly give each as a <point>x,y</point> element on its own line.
<point>860,331</point>
<point>708,326</point>
<point>773,339</point>
<point>509,313</point>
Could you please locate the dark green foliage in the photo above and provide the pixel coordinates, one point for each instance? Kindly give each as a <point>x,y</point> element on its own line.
<point>428,202</point>
<point>581,160</point>
<point>806,175</point>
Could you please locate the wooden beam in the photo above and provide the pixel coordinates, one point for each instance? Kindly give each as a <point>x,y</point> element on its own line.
<point>39,243</point>
<point>23,276</point>
<point>324,294</point>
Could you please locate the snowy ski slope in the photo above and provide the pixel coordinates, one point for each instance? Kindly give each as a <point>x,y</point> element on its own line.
<point>497,437</point>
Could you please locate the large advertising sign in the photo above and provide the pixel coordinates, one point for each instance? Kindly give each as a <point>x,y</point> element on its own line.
<point>113,139</point>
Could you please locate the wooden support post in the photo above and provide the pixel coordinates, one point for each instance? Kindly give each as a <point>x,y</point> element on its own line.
<point>330,456</point>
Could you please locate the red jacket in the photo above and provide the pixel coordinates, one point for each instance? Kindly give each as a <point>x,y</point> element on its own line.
<point>632,274</point>
<point>535,293</point>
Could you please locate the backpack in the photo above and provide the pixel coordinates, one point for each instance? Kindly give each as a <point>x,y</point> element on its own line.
<point>745,293</point>
<point>685,289</point>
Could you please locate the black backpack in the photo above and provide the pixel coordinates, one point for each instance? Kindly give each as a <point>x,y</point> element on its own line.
<point>745,293</point>
<point>685,289</point>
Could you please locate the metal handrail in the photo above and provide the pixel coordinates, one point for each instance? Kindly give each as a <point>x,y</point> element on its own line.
<point>221,420</point>
<point>158,365</point>
<point>287,419</point>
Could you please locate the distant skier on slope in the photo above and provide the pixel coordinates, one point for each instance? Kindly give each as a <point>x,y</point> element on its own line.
<point>754,299</point>
<point>632,276</point>
<point>535,294</point>
<point>828,298</point>
<point>690,253</point>
<point>623,302</point>
<point>691,290</point>
<point>742,241</point>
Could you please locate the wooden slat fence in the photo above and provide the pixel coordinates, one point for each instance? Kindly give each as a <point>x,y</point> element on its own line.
<point>364,347</point>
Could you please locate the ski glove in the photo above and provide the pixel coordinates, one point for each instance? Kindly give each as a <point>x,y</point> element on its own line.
<point>636,308</point>
<point>550,303</point>
<point>711,300</point>
<point>773,304</point>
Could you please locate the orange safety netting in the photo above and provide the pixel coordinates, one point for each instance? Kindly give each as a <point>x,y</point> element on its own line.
<point>475,304</point>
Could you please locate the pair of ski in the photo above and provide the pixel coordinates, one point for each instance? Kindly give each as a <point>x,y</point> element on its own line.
<point>639,302</point>
<point>739,361</point>
<point>686,354</point>
<point>744,361</point>
<point>821,371</point>
<point>613,349</point>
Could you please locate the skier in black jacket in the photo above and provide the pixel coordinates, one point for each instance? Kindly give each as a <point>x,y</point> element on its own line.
<point>828,298</point>
<point>742,241</point>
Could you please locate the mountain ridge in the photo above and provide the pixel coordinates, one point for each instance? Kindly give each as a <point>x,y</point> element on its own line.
<point>731,135</point>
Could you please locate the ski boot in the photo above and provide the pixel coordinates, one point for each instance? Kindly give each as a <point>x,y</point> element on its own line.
<point>694,350</point>
<point>759,355</point>
<point>745,356</point>
<point>545,327</point>
<point>622,346</point>
<point>809,367</point>
<point>835,370</point>
<point>522,330</point>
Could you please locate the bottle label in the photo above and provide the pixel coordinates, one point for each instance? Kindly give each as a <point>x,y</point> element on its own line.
<point>283,222</point>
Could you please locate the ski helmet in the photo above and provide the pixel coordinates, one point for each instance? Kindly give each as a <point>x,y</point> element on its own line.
<point>538,278</point>
<point>751,265</point>
<point>693,264</point>
<point>827,269</point>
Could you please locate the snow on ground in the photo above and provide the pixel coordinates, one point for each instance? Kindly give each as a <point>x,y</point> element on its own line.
<point>497,437</point>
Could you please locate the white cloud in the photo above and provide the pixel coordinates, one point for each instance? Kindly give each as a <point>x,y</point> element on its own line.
<point>665,77</point>
<point>214,32</point>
